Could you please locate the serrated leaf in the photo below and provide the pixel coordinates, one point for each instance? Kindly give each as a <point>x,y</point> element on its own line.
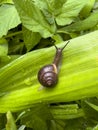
<point>33,19</point>
<point>8,18</point>
<point>69,11</point>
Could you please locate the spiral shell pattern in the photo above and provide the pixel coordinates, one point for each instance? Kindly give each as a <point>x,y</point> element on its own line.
<point>47,75</point>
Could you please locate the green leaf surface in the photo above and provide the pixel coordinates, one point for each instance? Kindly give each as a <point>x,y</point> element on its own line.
<point>69,11</point>
<point>87,23</point>
<point>87,8</point>
<point>50,8</point>
<point>8,18</point>
<point>4,60</point>
<point>44,6</point>
<point>78,77</point>
<point>33,19</point>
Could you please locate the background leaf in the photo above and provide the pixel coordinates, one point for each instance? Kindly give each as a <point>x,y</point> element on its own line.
<point>8,18</point>
<point>69,11</point>
<point>30,38</point>
<point>85,24</point>
<point>88,8</point>
<point>33,19</point>
<point>50,8</point>
<point>63,12</point>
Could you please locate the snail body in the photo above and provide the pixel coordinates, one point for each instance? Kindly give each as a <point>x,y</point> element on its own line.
<point>48,74</point>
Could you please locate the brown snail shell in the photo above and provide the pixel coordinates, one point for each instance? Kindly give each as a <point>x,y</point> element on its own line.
<point>47,75</point>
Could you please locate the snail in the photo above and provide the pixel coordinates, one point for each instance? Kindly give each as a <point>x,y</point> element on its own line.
<point>48,74</point>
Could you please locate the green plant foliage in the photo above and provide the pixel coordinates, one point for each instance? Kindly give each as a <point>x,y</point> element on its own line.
<point>69,11</point>
<point>29,38</point>
<point>88,8</point>
<point>86,24</point>
<point>8,14</point>
<point>63,12</point>
<point>28,31</point>
<point>30,16</point>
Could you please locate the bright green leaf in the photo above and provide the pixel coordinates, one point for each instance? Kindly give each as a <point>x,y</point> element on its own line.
<point>69,11</point>
<point>63,11</point>
<point>87,23</point>
<point>33,19</point>
<point>87,8</point>
<point>8,18</point>
<point>49,8</point>
<point>4,60</point>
